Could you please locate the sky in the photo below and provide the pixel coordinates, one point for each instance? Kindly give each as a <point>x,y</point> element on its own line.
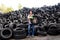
<point>28,3</point>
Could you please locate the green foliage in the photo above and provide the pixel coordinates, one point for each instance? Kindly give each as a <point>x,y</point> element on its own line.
<point>5,9</point>
<point>19,6</point>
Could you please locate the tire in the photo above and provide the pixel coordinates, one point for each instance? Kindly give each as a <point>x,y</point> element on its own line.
<point>23,25</point>
<point>19,33</point>
<point>21,36</point>
<point>52,31</point>
<point>41,32</point>
<point>6,33</point>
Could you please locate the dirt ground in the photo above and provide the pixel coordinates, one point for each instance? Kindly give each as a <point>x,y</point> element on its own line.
<point>56,37</point>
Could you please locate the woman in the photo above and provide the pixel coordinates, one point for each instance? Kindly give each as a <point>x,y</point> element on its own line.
<point>30,26</point>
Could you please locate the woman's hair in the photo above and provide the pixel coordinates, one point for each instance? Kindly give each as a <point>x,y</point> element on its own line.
<point>31,10</point>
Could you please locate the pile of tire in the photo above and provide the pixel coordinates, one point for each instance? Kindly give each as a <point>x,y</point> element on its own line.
<point>19,33</point>
<point>14,24</point>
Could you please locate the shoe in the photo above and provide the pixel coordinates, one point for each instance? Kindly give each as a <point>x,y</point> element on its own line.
<point>32,35</point>
<point>28,36</point>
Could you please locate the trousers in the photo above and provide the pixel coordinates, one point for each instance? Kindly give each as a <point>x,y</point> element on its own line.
<point>30,28</point>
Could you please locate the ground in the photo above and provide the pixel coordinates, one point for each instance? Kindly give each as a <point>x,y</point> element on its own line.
<point>48,37</point>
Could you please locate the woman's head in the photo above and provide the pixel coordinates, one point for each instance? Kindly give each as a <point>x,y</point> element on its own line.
<point>30,12</point>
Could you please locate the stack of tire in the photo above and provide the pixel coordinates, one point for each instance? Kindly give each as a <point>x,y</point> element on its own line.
<point>40,32</point>
<point>19,33</point>
<point>53,29</point>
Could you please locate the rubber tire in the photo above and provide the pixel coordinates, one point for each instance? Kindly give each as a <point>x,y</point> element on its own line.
<point>20,34</point>
<point>6,37</point>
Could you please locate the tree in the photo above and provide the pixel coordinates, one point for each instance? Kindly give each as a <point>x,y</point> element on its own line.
<point>8,9</point>
<point>19,6</point>
<point>5,9</point>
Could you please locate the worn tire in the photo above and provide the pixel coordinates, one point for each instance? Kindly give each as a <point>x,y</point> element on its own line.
<point>19,33</point>
<point>6,33</point>
<point>52,31</point>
